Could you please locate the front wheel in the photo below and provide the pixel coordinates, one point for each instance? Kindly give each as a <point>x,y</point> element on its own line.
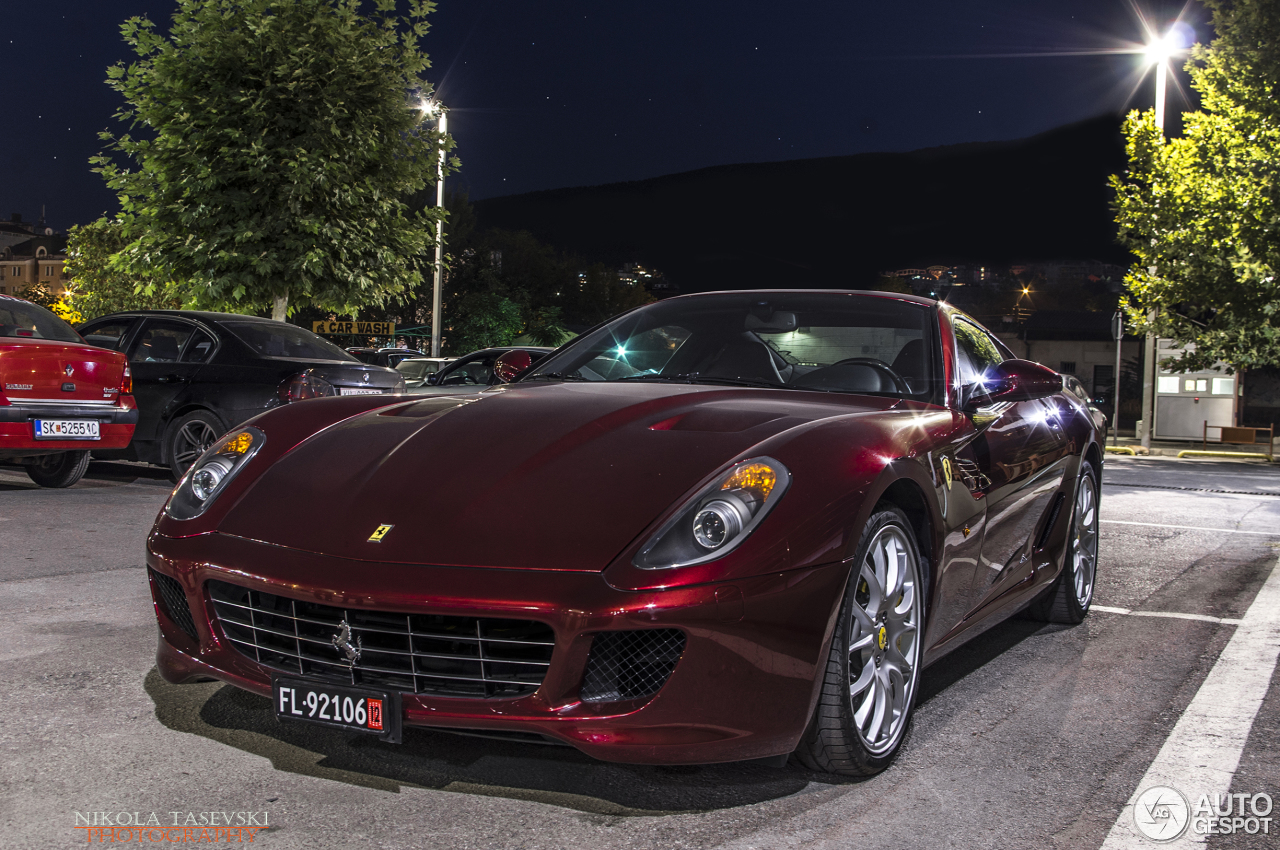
<point>1068,599</point>
<point>58,470</point>
<point>869,687</point>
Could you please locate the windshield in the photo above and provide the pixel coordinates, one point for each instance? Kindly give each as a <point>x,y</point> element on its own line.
<point>277,339</point>
<point>20,318</point>
<point>829,342</point>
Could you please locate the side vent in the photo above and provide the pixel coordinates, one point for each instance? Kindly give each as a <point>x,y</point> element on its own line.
<point>631,665</point>
<point>173,601</point>
<point>1051,521</point>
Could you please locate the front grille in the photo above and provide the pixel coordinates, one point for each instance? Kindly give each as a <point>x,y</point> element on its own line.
<point>413,653</point>
<point>631,665</point>
<point>173,600</point>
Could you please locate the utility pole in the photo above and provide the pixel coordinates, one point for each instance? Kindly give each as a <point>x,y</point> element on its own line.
<point>1117,332</point>
<point>443,125</point>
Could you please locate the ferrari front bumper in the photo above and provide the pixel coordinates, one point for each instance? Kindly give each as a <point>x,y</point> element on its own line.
<point>743,688</point>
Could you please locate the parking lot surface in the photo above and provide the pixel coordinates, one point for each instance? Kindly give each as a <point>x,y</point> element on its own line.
<point>1031,736</point>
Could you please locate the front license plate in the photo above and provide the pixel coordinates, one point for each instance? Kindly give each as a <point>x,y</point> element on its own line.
<point>65,429</point>
<point>354,709</point>
<point>358,391</point>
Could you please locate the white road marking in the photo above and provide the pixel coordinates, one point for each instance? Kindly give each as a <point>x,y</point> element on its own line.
<point>1106,609</point>
<point>1201,754</point>
<point>1191,527</point>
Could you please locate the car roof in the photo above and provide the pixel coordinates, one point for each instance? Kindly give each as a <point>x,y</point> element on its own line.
<point>782,293</point>
<point>204,315</point>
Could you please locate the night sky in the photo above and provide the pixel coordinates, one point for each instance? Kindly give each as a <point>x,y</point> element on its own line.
<point>553,94</point>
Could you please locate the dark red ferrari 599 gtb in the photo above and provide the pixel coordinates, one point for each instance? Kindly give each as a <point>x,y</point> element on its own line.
<point>721,527</point>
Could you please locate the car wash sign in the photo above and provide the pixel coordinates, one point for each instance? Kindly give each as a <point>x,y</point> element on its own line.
<point>339,328</point>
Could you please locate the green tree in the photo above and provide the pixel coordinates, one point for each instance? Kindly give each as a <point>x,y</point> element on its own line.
<point>98,286</point>
<point>482,320</point>
<point>278,142</point>
<point>1201,213</point>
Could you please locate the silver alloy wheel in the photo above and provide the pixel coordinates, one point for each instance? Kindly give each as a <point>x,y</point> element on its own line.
<point>1084,540</point>
<point>884,648</point>
<point>191,440</point>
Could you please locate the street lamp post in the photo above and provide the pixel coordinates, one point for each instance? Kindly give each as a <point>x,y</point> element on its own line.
<point>1158,53</point>
<point>435,108</point>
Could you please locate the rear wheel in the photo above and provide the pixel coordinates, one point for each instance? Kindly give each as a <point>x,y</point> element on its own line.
<point>187,439</point>
<point>869,688</point>
<point>58,470</point>
<point>1067,601</point>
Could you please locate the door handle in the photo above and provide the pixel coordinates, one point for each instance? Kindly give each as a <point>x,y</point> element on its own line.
<point>169,379</point>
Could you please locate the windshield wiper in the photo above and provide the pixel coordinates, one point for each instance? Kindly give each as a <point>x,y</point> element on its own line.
<point>553,376</point>
<point>687,378</point>
<point>742,382</point>
<point>696,378</point>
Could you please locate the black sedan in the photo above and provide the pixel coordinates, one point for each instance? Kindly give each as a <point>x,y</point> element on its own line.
<point>197,374</point>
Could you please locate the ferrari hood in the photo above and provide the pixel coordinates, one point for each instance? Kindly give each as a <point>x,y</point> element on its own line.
<point>540,476</point>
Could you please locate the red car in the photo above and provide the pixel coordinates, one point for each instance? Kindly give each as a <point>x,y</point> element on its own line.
<point>60,397</point>
<point>721,527</point>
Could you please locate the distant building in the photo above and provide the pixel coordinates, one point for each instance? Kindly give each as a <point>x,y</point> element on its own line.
<point>653,281</point>
<point>1075,343</point>
<point>36,259</point>
<point>16,230</point>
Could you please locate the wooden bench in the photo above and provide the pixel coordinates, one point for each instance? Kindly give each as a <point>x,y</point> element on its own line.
<point>1242,436</point>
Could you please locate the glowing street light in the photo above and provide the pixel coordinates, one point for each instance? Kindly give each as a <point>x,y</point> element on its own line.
<point>1159,51</point>
<point>435,109</point>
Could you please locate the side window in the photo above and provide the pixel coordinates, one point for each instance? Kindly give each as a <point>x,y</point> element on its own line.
<point>469,371</point>
<point>976,354</point>
<point>199,348</point>
<point>108,334</point>
<point>161,341</point>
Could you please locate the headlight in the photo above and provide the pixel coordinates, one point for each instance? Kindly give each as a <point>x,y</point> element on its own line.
<point>718,519</point>
<point>209,475</point>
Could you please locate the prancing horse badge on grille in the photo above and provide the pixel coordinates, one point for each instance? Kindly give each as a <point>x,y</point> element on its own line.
<point>379,533</point>
<point>342,640</point>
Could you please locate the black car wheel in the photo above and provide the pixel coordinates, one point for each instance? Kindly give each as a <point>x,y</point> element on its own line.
<point>187,439</point>
<point>1068,599</point>
<point>58,470</point>
<point>872,672</point>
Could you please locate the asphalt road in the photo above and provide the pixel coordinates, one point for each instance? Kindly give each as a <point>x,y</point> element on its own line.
<point>1031,736</point>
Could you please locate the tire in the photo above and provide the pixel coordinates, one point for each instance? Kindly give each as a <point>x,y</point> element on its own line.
<point>873,671</point>
<point>58,470</point>
<point>1068,599</point>
<point>187,438</point>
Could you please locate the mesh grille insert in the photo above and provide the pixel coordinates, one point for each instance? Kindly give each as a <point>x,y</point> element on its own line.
<point>631,665</point>
<point>413,653</point>
<point>174,602</point>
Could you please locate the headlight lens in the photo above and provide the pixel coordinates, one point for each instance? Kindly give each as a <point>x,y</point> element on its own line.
<point>209,475</point>
<point>718,519</point>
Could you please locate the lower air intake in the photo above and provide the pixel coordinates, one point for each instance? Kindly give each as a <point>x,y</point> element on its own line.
<point>631,665</point>
<point>173,600</point>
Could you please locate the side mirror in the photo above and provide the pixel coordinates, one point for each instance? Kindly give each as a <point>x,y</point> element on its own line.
<point>510,364</point>
<point>1014,380</point>
<point>432,379</point>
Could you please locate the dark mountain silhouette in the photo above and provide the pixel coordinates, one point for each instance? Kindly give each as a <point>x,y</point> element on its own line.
<point>839,221</point>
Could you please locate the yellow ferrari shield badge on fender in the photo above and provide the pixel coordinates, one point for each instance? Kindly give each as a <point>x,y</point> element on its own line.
<point>380,533</point>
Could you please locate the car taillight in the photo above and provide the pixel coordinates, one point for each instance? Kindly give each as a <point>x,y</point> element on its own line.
<point>126,382</point>
<point>304,385</point>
